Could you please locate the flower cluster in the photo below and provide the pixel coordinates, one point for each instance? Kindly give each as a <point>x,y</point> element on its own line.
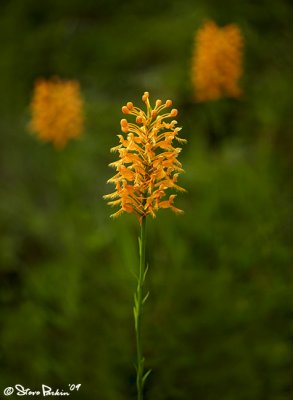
<point>147,164</point>
<point>57,111</point>
<point>217,62</point>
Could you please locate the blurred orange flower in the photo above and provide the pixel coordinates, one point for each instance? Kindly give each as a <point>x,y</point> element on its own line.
<point>217,62</point>
<point>147,164</point>
<point>57,111</point>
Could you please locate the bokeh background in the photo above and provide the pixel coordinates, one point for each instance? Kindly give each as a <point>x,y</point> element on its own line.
<point>219,320</point>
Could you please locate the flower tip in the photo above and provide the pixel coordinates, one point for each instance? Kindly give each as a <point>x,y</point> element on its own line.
<point>154,114</point>
<point>158,103</point>
<point>124,122</point>
<point>138,119</point>
<point>130,105</point>
<point>125,110</point>
<point>168,103</point>
<point>145,96</point>
<point>174,112</point>
<point>124,125</point>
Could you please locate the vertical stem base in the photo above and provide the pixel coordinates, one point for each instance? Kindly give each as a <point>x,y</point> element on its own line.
<point>139,300</point>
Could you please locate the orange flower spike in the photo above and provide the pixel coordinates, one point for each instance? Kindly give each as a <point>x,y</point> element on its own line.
<point>217,62</point>
<point>147,165</point>
<point>57,111</point>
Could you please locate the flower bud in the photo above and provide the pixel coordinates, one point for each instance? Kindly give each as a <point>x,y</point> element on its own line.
<point>125,110</point>
<point>124,125</point>
<point>124,122</point>
<point>158,103</point>
<point>145,96</point>
<point>168,103</point>
<point>174,112</point>
<point>130,105</point>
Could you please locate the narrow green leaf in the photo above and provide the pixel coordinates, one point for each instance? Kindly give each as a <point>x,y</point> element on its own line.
<point>135,300</point>
<point>145,297</point>
<point>145,272</point>
<point>145,376</point>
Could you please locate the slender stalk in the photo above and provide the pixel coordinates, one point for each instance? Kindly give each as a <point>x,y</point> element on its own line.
<point>139,300</point>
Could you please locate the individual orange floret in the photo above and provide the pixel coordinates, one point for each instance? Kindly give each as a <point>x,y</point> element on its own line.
<point>57,111</point>
<point>148,165</point>
<point>125,110</point>
<point>217,62</point>
<point>145,96</point>
<point>124,125</point>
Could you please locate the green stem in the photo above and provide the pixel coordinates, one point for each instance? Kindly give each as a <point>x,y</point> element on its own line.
<point>139,300</point>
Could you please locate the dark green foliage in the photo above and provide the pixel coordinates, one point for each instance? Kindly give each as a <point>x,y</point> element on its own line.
<point>218,322</point>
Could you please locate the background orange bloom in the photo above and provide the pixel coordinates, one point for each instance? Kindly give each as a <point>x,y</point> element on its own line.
<point>57,111</point>
<point>217,62</point>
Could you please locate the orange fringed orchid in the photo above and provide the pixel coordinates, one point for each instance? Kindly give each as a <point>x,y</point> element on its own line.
<point>148,164</point>
<point>217,62</point>
<point>57,111</point>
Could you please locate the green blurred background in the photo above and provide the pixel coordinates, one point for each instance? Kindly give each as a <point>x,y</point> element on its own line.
<point>219,320</point>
